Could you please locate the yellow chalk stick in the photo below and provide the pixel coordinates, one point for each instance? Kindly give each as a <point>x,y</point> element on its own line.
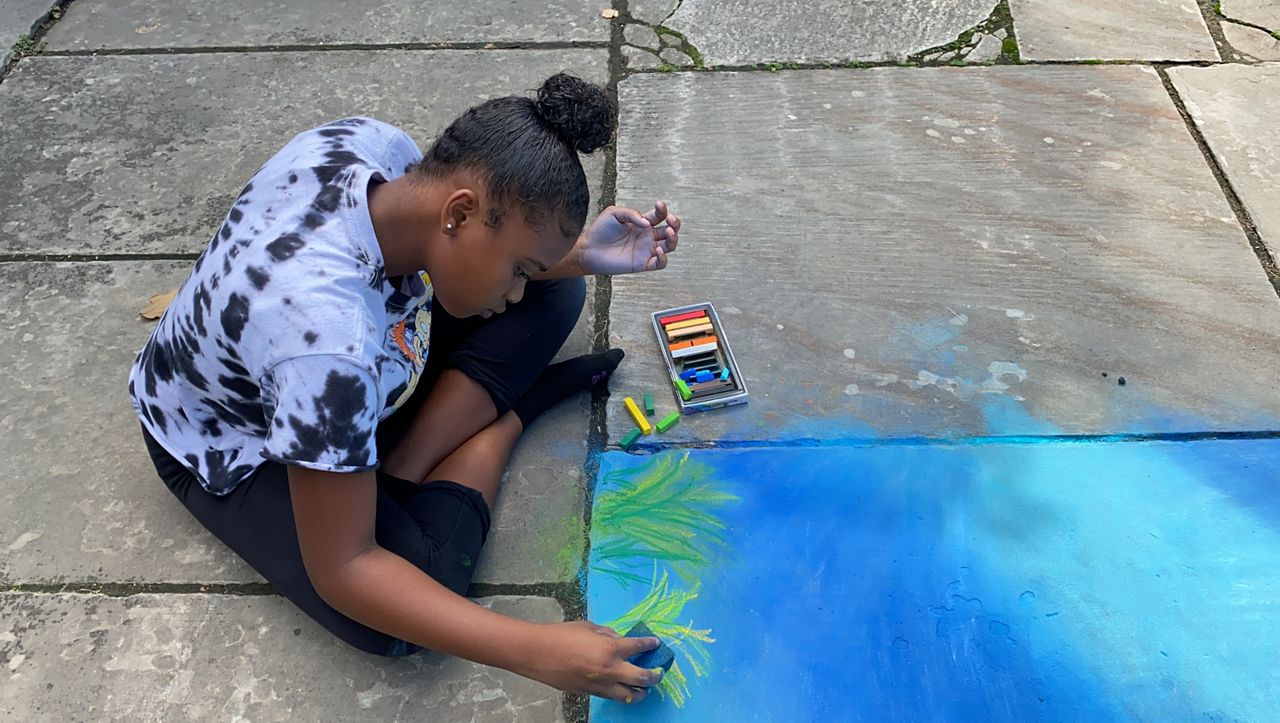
<point>638,415</point>
<point>687,322</point>
<point>690,331</point>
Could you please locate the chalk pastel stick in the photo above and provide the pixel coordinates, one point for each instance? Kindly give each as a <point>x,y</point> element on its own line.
<point>703,376</point>
<point>685,392</point>
<point>711,387</point>
<point>668,421</point>
<point>700,361</point>
<point>686,324</point>
<point>690,331</point>
<point>681,353</point>
<point>681,317</point>
<point>629,439</point>
<point>648,405</point>
<point>724,373</point>
<point>700,340</point>
<point>680,345</point>
<point>637,415</point>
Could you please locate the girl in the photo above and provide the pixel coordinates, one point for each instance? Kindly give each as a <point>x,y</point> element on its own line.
<point>290,398</point>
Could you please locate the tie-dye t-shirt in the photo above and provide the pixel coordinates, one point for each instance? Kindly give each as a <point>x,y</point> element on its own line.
<point>288,342</point>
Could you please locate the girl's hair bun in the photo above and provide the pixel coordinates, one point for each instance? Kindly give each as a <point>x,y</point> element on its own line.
<point>581,113</point>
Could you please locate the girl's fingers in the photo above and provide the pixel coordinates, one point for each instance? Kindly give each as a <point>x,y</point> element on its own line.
<point>631,216</point>
<point>638,677</point>
<point>658,213</point>
<point>631,647</point>
<point>674,222</point>
<point>627,694</point>
<point>673,239</point>
<point>658,261</point>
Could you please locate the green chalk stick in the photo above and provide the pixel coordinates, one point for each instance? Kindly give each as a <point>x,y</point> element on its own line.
<point>668,421</point>
<point>648,404</point>
<point>685,392</point>
<point>630,438</point>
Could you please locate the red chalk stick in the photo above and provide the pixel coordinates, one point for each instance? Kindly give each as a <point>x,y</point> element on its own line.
<point>681,317</point>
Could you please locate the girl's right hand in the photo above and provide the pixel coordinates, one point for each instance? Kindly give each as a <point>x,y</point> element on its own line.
<point>584,658</point>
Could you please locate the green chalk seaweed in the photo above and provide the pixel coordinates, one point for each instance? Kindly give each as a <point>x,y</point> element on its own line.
<point>668,421</point>
<point>630,438</point>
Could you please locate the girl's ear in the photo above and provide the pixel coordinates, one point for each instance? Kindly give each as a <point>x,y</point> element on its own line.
<point>458,210</point>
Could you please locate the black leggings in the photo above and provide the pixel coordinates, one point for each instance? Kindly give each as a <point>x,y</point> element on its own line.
<point>440,526</point>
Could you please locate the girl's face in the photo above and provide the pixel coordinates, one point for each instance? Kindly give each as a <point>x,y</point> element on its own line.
<point>486,267</point>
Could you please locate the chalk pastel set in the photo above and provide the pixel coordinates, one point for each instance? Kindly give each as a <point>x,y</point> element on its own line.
<point>702,369</point>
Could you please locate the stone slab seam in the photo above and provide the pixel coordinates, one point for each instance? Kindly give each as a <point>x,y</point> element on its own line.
<point>1214,17</point>
<point>1211,11</point>
<point>564,593</point>
<point>55,258</point>
<point>128,589</point>
<point>304,48</point>
<point>1233,199</point>
<point>955,52</point>
<point>971,441</point>
<point>669,40</point>
<point>576,707</point>
<point>30,43</point>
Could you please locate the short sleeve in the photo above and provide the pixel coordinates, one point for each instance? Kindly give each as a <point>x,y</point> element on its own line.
<point>322,413</point>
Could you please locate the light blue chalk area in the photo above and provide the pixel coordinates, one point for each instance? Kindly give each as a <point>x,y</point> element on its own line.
<point>993,582</point>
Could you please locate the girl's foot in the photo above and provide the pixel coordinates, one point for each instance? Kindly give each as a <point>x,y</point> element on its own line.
<point>561,381</point>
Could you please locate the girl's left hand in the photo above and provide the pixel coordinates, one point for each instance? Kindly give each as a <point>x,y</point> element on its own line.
<point>625,241</point>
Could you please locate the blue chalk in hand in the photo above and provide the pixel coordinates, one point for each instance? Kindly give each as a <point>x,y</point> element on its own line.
<point>660,657</point>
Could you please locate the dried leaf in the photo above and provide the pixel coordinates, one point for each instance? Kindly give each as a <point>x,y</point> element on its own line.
<point>157,304</point>
<point>608,13</point>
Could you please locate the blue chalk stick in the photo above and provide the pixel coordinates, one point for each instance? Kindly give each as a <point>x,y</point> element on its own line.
<point>724,374</point>
<point>660,657</point>
<point>704,376</point>
<point>689,375</point>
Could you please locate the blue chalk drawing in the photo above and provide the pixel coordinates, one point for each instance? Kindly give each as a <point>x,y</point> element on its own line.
<point>993,581</point>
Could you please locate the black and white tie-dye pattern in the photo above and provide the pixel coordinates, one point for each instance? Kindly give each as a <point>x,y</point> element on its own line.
<point>288,341</point>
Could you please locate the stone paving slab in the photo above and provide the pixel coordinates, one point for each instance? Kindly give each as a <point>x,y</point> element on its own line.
<point>1265,13</point>
<point>1237,107</point>
<point>1256,44</point>
<point>220,657</point>
<point>17,19</point>
<point>1103,30</point>
<point>144,154</point>
<point>652,11</point>
<point>946,252</point>
<point>743,32</point>
<point>80,501</point>
<point>127,24</point>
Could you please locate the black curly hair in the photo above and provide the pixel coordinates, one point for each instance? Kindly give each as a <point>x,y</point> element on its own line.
<point>527,150</point>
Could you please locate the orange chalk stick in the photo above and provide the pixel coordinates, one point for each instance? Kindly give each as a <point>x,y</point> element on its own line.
<point>693,342</point>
